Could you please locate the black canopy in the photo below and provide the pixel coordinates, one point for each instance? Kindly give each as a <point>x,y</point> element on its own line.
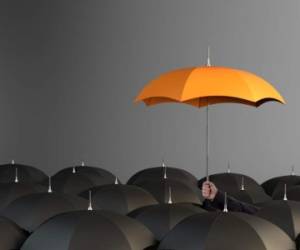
<point>90,230</point>
<point>120,198</point>
<point>285,214</point>
<point>161,172</point>
<point>11,191</point>
<point>32,210</point>
<point>162,189</point>
<point>277,183</point>
<point>25,174</point>
<point>226,231</point>
<point>11,236</point>
<point>161,218</point>
<point>75,180</point>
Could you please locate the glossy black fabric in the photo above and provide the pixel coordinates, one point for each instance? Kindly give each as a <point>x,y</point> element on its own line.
<point>226,231</point>
<point>11,191</point>
<point>90,230</point>
<point>86,177</point>
<point>276,184</point>
<point>32,210</point>
<point>157,173</point>
<point>120,198</point>
<point>284,214</point>
<point>11,235</point>
<point>233,204</point>
<point>26,174</point>
<point>162,218</point>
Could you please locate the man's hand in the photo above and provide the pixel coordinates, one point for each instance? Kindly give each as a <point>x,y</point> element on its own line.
<point>209,190</point>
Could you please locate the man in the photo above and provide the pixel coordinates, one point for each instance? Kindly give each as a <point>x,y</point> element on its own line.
<point>214,200</point>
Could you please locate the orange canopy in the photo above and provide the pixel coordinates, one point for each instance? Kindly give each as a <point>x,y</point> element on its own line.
<point>202,86</point>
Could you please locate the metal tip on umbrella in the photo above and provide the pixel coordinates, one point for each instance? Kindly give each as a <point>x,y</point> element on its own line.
<point>16,176</point>
<point>12,162</point>
<point>116,181</point>
<point>170,196</point>
<point>225,209</point>
<point>293,170</point>
<point>82,164</point>
<point>49,185</point>
<point>74,170</point>
<point>228,168</point>
<point>243,184</point>
<point>285,195</point>
<point>164,169</point>
<point>90,207</point>
<point>208,64</point>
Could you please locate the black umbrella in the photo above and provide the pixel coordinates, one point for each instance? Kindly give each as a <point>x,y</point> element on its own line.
<point>120,198</point>
<point>277,183</point>
<point>162,218</point>
<point>285,214</point>
<point>32,210</point>
<point>11,236</point>
<point>101,230</point>
<point>171,191</point>
<point>226,231</point>
<point>164,172</point>
<point>239,186</point>
<point>75,180</point>
<point>288,193</point>
<point>21,173</point>
<point>11,191</point>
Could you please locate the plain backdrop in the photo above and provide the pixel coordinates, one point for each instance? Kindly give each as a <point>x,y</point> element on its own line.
<point>70,70</point>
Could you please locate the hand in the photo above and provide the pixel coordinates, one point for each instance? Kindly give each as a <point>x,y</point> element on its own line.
<point>209,190</point>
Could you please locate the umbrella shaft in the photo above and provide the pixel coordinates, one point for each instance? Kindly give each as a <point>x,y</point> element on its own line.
<point>207,142</point>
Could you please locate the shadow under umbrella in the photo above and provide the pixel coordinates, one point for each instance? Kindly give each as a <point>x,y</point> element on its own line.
<point>239,186</point>
<point>226,231</point>
<point>100,230</point>
<point>119,198</point>
<point>12,236</point>
<point>162,218</point>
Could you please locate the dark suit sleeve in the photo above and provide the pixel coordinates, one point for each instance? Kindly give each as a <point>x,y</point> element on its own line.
<point>233,204</point>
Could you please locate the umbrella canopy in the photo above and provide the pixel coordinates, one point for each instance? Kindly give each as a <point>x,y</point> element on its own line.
<point>12,236</point>
<point>201,86</point>
<point>277,183</point>
<point>21,173</point>
<point>292,193</point>
<point>239,186</point>
<point>164,172</point>
<point>166,191</point>
<point>285,214</point>
<point>11,191</point>
<point>120,198</point>
<point>32,210</point>
<point>101,230</point>
<point>226,231</point>
<point>75,180</point>
<point>162,218</point>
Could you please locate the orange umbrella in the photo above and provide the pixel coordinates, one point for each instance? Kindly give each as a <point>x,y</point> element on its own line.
<point>206,85</point>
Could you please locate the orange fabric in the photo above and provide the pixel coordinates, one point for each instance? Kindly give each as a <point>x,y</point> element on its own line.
<point>200,86</point>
